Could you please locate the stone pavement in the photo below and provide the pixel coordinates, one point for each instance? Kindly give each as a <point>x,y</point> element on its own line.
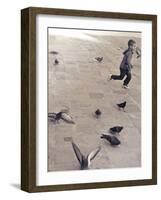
<point>80,83</point>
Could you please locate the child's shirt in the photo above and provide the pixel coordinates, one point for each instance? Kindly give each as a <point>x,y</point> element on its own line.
<point>126,61</point>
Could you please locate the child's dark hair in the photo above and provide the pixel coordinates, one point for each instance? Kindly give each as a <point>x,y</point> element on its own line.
<point>131,42</point>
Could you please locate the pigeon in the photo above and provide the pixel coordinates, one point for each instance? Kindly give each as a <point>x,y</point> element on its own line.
<point>114,141</point>
<point>61,115</point>
<point>122,105</point>
<point>56,62</point>
<point>55,116</point>
<point>54,52</point>
<point>116,129</point>
<point>99,59</point>
<point>138,52</point>
<point>98,113</point>
<point>85,161</point>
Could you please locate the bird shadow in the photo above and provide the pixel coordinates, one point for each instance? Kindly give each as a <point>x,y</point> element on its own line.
<point>15,185</point>
<point>116,107</point>
<point>52,121</point>
<point>96,117</point>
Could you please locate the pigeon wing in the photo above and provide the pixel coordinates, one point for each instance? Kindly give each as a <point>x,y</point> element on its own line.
<point>93,154</point>
<point>67,118</point>
<point>77,152</point>
<point>51,115</point>
<point>53,52</point>
<point>138,51</point>
<point>112,129</point>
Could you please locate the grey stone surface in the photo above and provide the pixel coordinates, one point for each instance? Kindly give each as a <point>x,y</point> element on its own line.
<point>80,83</point>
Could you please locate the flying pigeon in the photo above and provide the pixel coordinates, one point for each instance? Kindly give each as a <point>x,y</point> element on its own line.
<point>61,115</point>
<point>122,105</point>
<point>54,52</point>
<point>138,52</point>
<point>99,59</point>
<point>114,141</point>
<point>85,161</point>
<point>116,129</point>
<point>98,113</point>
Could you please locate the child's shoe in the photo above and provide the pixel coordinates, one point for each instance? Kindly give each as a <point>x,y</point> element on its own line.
<point>125,86</point>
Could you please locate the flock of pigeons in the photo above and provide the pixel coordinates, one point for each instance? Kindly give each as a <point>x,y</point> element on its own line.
<point>83,160</point>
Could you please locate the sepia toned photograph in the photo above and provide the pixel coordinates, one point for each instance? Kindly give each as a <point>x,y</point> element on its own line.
<point>94,99</point>
<point>89,99</point>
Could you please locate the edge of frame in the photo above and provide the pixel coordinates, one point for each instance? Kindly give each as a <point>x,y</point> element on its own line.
<point>90,13</point>
<point>24,99</point>
<point>28,100</point>
<point>154,99</point>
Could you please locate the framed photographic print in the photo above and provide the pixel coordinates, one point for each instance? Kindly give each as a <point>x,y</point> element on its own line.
<point>88,99</point>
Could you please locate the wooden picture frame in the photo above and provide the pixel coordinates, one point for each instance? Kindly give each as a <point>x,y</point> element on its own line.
<point>28,98</point>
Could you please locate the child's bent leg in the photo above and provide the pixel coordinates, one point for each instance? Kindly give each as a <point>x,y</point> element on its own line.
<point>128,78</point>
<point>119,77</point>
